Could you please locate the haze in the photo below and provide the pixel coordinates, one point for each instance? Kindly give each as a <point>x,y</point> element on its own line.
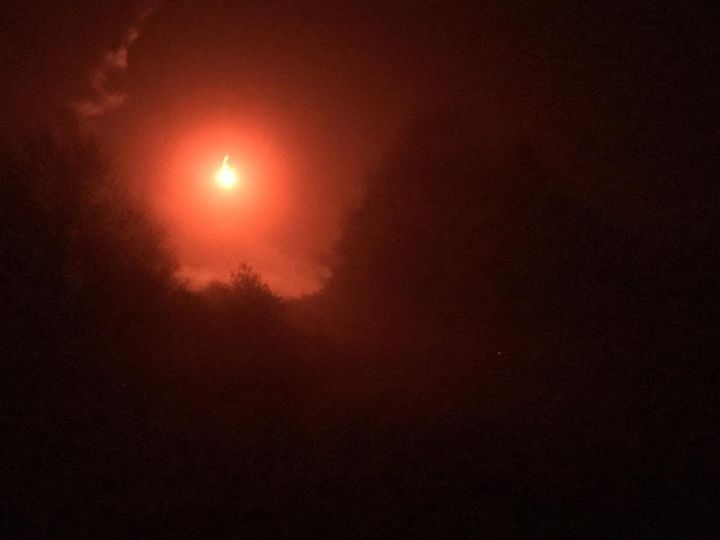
<point>359,269</point>
<point>310,95</point>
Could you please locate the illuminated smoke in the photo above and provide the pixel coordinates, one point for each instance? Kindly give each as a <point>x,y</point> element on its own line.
<point>104,99</point>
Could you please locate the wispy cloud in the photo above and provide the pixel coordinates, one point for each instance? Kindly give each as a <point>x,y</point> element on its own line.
<point>104,99</point>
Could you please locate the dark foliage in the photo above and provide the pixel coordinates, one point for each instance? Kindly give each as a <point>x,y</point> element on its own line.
<point>512,344</point>
<point>495,354</point>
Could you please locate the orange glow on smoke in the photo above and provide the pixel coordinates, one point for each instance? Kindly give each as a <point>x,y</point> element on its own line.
<point>225,194</point>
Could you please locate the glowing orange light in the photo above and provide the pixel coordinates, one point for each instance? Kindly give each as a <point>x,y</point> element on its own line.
<point>226,177</point>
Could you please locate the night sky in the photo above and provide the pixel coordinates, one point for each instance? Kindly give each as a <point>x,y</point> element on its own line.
<point>321,89</point>
<point>317,94</point>
<point>359,269</point>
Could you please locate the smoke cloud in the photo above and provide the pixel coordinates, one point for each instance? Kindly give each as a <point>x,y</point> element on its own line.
<point>114,62</point>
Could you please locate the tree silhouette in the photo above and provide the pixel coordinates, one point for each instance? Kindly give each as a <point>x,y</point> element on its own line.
<point>464,235</point>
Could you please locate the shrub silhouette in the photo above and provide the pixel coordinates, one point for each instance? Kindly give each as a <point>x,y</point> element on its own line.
<point>492,348</point>
<point>461,236</point>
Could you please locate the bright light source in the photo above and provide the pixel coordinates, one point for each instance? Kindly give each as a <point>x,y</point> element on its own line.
<point>226,177</point>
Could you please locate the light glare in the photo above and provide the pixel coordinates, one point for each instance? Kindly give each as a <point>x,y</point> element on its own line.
<point>226,177</point>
